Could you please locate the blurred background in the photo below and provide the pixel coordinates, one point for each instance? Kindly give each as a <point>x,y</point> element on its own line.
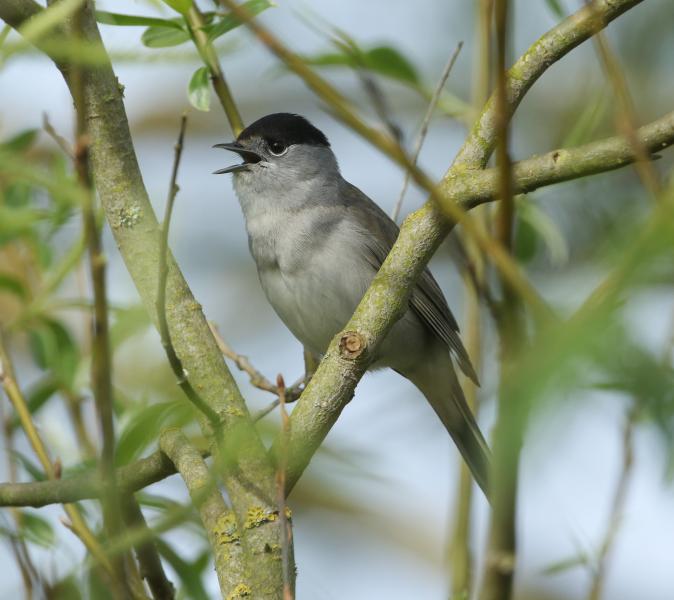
<point>372,516</point>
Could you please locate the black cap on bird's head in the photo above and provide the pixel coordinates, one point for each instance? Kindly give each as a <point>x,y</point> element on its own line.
<point>277,132</point>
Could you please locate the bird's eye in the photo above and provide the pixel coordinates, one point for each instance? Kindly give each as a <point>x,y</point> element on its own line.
<point>277,148</point>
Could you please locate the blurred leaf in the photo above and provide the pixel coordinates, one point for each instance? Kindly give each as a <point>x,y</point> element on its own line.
<point>21,141</point>
<point>67,588</point>
<point>13,285</point>
<point>37,530</point>
<point>18,221</point>
<point>37,396</point>
<point>48,18</point>
<point>389,62</point>
<point>164,37</point>
<point>579,560</point>
<point>144,425</point>
<point>29,466</point>
<point>556,7</point>
<point>586,125</point>
<point>229,21</point>
<point>198,90</point>
<point>181,6</point>
<point>190,573</point>
<point>545,228</point>
<point>127,323</point>
<point>109,18</point>
<point>54,349</point>
<point>526,240</point>
<point>383,60</point>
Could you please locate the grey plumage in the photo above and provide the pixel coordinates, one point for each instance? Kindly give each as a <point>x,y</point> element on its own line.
<point>318,242</point>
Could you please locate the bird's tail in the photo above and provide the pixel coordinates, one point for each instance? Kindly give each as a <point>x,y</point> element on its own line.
<point>444,394</point>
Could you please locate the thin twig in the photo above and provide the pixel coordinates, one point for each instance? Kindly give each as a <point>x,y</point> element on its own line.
<point>164,333</point>
<point>256,378</point>
<point>61,142</point>
<point>508,432</point>
<point>286,531</point>
<point>617,506</point>
<point>423,130</point>
<point>626,115</point>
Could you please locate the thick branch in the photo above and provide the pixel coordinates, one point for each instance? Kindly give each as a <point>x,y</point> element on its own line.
<point>215,516</point>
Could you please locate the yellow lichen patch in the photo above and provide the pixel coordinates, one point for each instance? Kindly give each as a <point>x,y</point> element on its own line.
<point>225,529</point>
<point>240,591</point>
<point>257,515</point>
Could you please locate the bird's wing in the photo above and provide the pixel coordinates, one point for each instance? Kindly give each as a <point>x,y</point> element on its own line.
<point>427,300</point>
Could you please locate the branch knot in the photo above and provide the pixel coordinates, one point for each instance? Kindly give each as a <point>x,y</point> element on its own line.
<point>351,345</point>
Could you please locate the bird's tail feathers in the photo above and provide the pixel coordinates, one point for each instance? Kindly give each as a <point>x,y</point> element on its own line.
<point>443,392</point>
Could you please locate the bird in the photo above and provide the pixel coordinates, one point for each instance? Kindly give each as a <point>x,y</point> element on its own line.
<point>318,241</point>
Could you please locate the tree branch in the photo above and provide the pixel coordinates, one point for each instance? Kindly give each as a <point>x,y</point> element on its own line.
<point>130,478</point>
<point>219,523</point>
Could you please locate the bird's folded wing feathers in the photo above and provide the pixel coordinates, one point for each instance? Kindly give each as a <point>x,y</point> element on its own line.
<point>427,300</point>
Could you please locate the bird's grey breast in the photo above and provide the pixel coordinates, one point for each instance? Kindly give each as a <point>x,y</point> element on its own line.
<point>307,264</point>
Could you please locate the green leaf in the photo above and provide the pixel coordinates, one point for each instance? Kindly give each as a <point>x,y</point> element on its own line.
<point>229,21</point>
<point>181,6</point>
<point>54,349</point>
<point>198,90</point>
<point>21,141</point>
<point>45,20</point>
<point>13,285</point>
<point>556,7</point>
<point>109,18</point>
<point>144,426</point>
<point>128,322</point>
<point>37,396</point>
<point>37,530</point>
<point>383,60</point>
<point>390,63</point>
<point>164,37</point>
<point>526,240</point>
<point>546,229</point>
<point>28,465</point>
<point>190,573</point>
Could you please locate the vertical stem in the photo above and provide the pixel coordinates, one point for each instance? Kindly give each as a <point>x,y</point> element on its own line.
<point>459,552</point>
<point>502,548</point>
<point>282,467</point>
<point>101,361</point>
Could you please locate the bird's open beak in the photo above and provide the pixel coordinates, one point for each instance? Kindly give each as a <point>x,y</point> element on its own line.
<point>249,157</point>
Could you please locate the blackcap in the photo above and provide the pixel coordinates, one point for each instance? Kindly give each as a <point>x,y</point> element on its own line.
<point>318,242</point>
